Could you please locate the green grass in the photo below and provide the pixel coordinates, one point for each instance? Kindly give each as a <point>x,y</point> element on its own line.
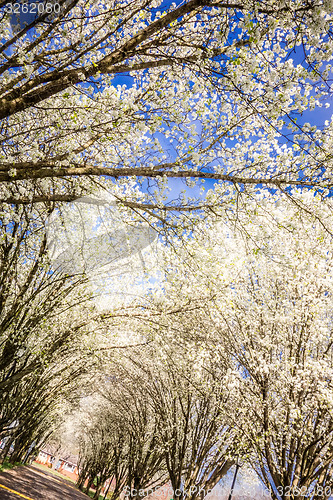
<point>92,493</point>
<point>7,465</point>
<point>53,472</point>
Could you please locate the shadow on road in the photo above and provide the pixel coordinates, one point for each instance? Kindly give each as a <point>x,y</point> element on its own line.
<point>37,485</point>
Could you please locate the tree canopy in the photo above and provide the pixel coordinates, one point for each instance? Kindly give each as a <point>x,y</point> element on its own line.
<point>202,90</point>
<point>207,120</point>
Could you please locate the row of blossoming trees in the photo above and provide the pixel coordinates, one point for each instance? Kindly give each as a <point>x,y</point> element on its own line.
<point>236,335</point>
<point>44,345</point>
<point>234,359</point>
<point>238,364</point>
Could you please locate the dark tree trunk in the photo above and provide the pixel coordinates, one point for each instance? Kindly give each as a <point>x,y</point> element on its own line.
<point>89,485</point>
<point>6,450</point>
<point>97,492</point>
<point>81,480</point>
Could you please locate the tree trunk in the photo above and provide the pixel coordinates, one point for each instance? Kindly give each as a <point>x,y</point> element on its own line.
<point>89,485</point>
<point>81,480</point>
<point>6,450</point>
<point>15,457</point>
<point>107,490</point>
<point>97,492</point>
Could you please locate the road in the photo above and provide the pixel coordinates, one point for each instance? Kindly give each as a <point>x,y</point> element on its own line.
<point>31,483</point>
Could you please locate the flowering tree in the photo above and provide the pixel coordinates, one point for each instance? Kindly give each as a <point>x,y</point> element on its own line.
<point>279,332</point>
<point>199,445</point>
<point>200,75</point>
<point>38,404</point>
<point>103,449</point>
<point>269,319</point>
<point>120,441</point>
<point>51,335</point>
<point>31,293</point>
<point>170,429</point>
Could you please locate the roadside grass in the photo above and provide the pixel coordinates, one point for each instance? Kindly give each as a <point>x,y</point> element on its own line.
<point>52,471</point>
<point>57,474</point>
<point>92,493</point>
<point>6,465</point>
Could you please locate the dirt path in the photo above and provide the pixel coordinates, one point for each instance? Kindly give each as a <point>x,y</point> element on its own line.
<point>33,484</point>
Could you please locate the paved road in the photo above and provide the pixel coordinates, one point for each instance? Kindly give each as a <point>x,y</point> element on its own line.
<point>33,484</point>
